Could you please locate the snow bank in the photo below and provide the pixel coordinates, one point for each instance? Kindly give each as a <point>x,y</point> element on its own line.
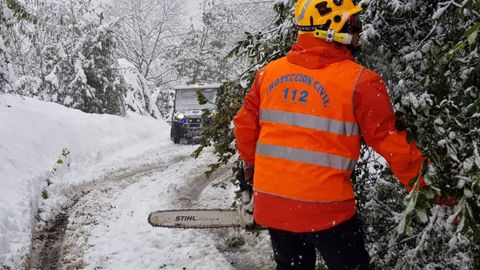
<point>32,136</point>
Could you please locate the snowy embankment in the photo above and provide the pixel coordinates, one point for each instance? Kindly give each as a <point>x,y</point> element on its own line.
<point>32,136</point>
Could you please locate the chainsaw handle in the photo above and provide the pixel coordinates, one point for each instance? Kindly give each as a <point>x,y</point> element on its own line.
<point>246,208</point>
<point>244,184</point>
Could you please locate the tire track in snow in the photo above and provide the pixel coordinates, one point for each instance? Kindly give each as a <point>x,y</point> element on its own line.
<point>189,193</point>
<point>62,242</point>
<point>241,258</point>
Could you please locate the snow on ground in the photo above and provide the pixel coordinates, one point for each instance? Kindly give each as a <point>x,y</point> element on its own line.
<point>32,136</point>
<point>115,233</point>
<point>128,168</point>
<point>123,239</point>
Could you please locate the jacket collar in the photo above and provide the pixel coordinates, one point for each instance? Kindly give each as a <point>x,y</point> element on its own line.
<point>314,53</point>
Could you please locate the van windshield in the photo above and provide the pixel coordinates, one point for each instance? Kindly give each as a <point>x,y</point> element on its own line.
<point>186,99</point>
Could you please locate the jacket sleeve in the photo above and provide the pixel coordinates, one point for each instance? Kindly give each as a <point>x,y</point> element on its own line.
<point>374,113</point>
<point>247,123</point>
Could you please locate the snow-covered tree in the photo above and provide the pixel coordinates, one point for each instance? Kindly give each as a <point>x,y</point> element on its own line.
<point>138,97</point>
<point>6,69</point>
<point>148,30</point>
<point>11,13</point>
<point>199,60</point>
<point>147,34</point>
<point>80,66</point>
<point>107,87</point>
<point>202,56</point>
<point>72,51</point>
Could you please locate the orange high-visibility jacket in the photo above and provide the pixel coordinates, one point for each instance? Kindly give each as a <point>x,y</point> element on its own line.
<point>301,125</point>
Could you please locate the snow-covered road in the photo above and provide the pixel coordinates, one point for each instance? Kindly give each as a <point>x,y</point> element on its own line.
<point>91,208</point>
<point>106,227</point>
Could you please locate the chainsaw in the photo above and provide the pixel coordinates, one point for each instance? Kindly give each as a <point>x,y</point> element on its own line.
<point>211,218</point>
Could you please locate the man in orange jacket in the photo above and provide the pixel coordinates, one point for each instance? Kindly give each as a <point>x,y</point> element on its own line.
<point>301,127</point>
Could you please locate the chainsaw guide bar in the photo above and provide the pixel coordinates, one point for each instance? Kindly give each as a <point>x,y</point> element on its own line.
<point>195,218</point>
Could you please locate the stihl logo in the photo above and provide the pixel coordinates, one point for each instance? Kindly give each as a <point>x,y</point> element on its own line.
<point>186,218</point>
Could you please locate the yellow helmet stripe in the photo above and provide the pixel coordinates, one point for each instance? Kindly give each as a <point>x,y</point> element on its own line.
<point>304,10</point>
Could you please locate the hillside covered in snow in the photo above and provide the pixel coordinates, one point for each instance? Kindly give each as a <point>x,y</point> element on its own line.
<point>32,137</point>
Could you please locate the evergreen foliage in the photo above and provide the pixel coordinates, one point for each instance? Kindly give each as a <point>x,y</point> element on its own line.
<point>427,53</point>
<point>431,66</point>
<point>107,87</point>
<point>72,59</point>
<point>11,12</point>
<point>5,68</point>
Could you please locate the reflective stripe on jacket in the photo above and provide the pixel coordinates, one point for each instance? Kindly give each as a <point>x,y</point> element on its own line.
<point>309,139</point>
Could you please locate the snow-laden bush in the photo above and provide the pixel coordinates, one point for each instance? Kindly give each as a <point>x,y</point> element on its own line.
<point>428,54</point>
<point>138,97</point>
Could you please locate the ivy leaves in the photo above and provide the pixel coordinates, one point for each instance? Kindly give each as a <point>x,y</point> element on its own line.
<point>14,10</point>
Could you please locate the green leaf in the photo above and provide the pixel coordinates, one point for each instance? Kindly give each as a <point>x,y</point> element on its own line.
<point>18,11</point>
<point>44,194</point>
<point>401,226</point>
<point>422,216</point>
<point>472,30</point>
<point>411,204</point>
<point>429,194</point>
<point>65,152</point>
<point>472,37</point>
<point>468,193</point>
<point>198,151</point>
<point>476,230</point>
<point>202,100</point>
<point>453,240</point>
<point>424,168</point>
<point>412,182</point>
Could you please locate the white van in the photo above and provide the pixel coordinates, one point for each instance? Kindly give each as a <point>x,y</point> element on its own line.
<point>187,123</point>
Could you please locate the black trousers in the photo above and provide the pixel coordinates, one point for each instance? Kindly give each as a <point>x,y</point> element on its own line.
<point>341,247</point>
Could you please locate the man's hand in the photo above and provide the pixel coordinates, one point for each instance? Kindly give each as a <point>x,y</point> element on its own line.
<point>248,169</point>
<point>246,210</point>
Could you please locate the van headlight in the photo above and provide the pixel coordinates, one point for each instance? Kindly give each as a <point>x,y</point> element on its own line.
<point>180,116</point>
